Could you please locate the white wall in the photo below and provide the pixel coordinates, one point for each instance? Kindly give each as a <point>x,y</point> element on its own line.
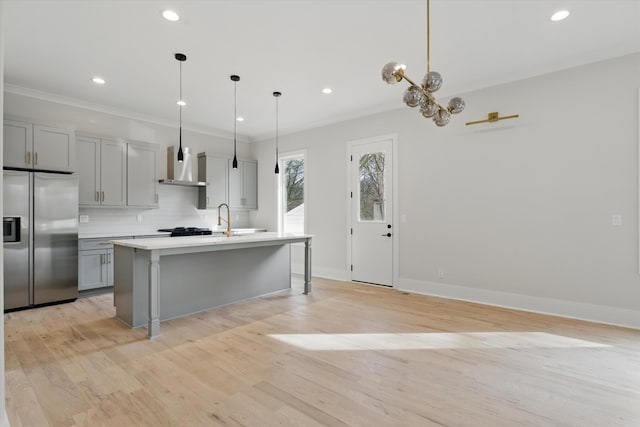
<point>517,213</point>
<point>177,204</point>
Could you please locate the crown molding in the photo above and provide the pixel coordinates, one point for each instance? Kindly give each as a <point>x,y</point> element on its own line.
<point>100,108</point>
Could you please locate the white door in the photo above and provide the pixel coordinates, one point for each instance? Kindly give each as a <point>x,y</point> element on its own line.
<point>372,212</point>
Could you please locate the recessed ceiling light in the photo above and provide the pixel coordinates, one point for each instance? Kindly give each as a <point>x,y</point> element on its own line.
<point>240,119</point>
<point>181,103</point>
<point>98,80</point>
<point>170,15</point>
<point>560,15</point>
<point>327,90</point>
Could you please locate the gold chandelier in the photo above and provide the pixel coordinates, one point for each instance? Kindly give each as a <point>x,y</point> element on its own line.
<point>422,94</point>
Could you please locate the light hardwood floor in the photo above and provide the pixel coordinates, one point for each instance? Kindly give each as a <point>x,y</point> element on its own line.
<point>349,354</point>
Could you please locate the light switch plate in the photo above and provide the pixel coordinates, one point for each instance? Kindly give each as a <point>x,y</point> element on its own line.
<point>616,220</point>
<point>84,219</point>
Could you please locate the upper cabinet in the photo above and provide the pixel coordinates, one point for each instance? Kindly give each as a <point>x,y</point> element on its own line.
<point>213,170</point>
<point>243,185</point>
<point>142,175</point>
<point>30,146</point>
<point>116,173</point>
<point>102,171</point>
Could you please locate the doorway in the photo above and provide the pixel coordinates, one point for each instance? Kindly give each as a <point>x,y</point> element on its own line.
<point>372,234</point>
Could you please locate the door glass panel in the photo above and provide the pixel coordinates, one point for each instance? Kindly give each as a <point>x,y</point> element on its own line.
<point>372,187</point>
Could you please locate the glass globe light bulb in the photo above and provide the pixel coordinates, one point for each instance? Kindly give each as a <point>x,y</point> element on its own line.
<point>413,96</point>
<point>456,105</point>
<point>428,108</point>
<point>432,81</point>
<point>392,72</point>
<point>442,117</point>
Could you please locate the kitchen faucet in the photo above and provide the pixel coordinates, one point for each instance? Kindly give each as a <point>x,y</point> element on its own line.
<point>228,220</point>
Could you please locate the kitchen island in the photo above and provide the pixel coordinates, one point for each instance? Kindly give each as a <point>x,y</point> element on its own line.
<point>164,278</point>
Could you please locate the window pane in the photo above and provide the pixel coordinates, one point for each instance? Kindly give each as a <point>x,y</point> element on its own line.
<point>372,187</point>
<point>293,221</point>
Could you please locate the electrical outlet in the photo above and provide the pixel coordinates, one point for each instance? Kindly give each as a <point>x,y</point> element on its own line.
<point>440,273</point>
<point>84,219</point>
<point>139,217</point>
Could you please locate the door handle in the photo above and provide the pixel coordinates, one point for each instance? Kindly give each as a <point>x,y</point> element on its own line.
<point>387,234</point>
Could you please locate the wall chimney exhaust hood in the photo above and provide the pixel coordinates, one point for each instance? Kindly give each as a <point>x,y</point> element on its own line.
<point>180,173</point>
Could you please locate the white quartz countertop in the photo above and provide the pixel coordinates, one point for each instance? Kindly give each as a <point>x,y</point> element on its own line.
<point>115,235</point>
<point>196,241</point>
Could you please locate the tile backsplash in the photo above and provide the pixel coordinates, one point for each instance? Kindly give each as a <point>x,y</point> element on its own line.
<point>178,208</point>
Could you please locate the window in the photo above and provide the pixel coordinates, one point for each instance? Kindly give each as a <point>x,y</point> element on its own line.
<point>291,193</point>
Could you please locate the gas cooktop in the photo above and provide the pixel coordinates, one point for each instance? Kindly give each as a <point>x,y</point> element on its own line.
<point>186,231</point>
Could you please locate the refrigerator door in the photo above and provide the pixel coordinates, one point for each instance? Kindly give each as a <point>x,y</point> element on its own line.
<point>15,193</point>
<point>55,237</point>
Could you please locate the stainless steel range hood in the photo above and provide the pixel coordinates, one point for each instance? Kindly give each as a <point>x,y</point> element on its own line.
<point>180,173</point>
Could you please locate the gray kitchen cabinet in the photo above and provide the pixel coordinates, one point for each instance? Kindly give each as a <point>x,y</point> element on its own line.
<point>32,146</point>
<point>142,175</point>
<point>102,171</point>
<point>95,263</point>
<point>215,171</point>
<point>243,185</point>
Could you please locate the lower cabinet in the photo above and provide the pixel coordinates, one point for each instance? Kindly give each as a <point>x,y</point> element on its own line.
<point>95,263</point>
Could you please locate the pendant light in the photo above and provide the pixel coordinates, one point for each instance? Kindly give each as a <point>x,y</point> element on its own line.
<point>277,95</point>
<point>180,57</point>
<point>422,94</point>
<point>235,79</point>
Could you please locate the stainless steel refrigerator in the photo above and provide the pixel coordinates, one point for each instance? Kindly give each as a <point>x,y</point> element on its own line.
<point>40,228</point>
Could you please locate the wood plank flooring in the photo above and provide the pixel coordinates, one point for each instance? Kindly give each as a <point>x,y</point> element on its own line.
<point>347,355</point>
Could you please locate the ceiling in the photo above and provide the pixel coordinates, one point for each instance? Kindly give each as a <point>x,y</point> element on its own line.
<point>296,47</point>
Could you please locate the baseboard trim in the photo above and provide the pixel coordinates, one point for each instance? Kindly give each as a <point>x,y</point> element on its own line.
<point>570,309</point>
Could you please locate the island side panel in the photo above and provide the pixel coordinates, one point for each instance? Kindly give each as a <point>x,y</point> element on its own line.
<point>195,282</point>
<point>131,285</point>
<point>123,279</point>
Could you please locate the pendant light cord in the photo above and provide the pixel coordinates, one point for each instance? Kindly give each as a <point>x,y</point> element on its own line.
<point>428,40</point>
<point>180,104</point>
<point>277,130</point>
<point>235,114</point>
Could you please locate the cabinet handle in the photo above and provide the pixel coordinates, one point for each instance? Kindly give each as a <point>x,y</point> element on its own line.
<point>28,157</point>
<point>97,196</point>
<point>36,158</point>
<point>108,258</point>
<point>101,259</point>
<point>102,196</point>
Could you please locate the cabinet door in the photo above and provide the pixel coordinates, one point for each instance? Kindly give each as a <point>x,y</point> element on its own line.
<point>217,177</point>
<point>109,267</point>
<point>53,149</point>
<point>88,156</point>
<point>250,185</point>
<point>142,176</point>
<point>113,173</point>
<point>18,139</point>
<point>92,269</point>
